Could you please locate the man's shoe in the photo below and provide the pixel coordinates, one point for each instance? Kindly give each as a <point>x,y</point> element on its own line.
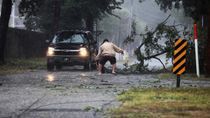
<point>114,73</point>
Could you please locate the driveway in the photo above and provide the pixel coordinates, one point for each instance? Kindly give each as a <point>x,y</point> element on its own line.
<point>71,93</point>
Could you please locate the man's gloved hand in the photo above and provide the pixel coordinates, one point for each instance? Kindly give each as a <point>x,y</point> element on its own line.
<point>122,52</point>
<point>96,58</point>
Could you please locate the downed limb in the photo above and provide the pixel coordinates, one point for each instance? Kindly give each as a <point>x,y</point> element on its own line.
<point>158,41</point>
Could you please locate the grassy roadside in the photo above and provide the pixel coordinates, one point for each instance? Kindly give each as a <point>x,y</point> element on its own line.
<point>184,76</point>
<point>164,103</point>
<point>21,65</point>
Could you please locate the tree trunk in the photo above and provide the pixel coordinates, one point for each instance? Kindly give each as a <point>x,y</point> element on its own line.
<point>56,17</point>
<point>207,50</point>
<point>89,23</point>
<point>4,21</point>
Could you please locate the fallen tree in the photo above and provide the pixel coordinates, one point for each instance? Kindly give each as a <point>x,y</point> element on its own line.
<point>156,42</point>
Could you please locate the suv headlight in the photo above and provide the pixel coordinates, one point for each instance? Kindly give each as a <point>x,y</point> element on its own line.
<point>83,52</point>
<point>50,51</point>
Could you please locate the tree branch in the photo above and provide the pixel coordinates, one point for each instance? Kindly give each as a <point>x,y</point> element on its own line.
<point>114,15</point>
<point>153,56</point>
<point>160,62</point>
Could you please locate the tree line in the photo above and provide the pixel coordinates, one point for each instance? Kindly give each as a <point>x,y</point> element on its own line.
<point>49,16</point>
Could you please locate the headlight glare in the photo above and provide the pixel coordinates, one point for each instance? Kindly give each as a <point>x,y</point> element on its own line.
<point>50,51</point>
<point>83,52</point>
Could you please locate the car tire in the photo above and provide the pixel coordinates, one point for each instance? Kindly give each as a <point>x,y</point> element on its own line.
<point>50,67</point>
<point>58,67</point>
<point>88,66</point>
<point>94,66</point>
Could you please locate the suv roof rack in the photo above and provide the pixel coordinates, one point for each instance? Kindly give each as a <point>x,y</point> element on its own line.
<point>74,31</point>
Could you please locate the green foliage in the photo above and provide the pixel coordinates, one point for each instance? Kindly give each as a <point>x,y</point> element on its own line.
<point>158,41</point>
<point>13,66</point>
<point>192,8</point>
<point>88,108</point>
<point>196,9</point>
<point>41,14</point>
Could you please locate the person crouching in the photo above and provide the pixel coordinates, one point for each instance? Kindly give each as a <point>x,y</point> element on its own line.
<point>107,52</point>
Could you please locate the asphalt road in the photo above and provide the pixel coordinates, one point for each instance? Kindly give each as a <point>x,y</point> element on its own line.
<point>71,93</point>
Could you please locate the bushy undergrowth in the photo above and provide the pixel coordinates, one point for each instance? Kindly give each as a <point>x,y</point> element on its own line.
<point>20,65</point>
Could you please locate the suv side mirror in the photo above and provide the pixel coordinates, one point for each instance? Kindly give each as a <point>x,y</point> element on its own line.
<point>93,42</point>
<point>47,41</point>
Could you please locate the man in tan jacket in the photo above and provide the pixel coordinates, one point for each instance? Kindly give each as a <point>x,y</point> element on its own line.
<point>107,52</point>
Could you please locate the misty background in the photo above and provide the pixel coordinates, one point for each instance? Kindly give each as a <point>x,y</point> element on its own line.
<point>144,14</point>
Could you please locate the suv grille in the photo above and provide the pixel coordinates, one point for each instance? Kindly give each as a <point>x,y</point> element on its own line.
<point>66,53</point>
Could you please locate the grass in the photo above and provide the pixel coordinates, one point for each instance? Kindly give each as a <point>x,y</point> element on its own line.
<point>164,103</point>
<point>184,76</point>
<point>13,66</point>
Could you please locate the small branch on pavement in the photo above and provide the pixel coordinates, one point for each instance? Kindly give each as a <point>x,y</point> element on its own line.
<point>28,108</point>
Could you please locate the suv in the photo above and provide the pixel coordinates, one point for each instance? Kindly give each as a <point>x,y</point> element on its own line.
<point>69,48</point>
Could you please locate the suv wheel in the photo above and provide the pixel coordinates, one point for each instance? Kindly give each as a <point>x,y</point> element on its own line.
<point>94,66</point>
<point>88,66</point>
<point>58,67</point>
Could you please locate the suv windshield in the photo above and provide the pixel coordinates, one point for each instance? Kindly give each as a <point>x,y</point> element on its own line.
<point>70,38</point>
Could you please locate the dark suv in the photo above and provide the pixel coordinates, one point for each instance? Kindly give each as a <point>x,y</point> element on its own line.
<point>69,48</point>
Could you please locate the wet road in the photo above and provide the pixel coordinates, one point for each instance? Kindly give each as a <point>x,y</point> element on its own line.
<point>71,93</point>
